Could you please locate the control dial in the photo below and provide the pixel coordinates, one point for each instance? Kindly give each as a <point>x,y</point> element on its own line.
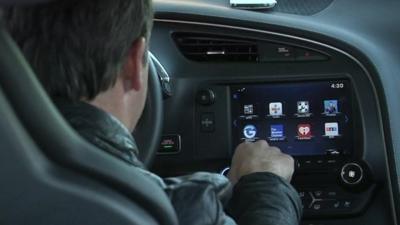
<point>352,174</point>
<point>205,97</point>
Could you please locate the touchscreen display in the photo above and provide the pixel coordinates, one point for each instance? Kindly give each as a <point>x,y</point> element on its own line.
<point>302,118</point>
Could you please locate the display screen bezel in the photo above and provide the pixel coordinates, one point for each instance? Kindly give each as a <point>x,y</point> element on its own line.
<point>356,140</point>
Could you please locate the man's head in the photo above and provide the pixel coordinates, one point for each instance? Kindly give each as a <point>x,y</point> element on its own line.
<point>90,50</point>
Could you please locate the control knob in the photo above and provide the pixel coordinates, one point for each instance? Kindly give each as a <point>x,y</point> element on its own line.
<point>205,97</point>
<point>352,174</point>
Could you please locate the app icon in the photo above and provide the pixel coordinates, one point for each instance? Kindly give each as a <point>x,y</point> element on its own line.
<point>303,107</point>
<point>331,106</point>
<point>277,131</point>
<point>248,109</point>
<point>250,131</point>
<point>275,109</point>
<point>331,129</point>
<point>304,131</point>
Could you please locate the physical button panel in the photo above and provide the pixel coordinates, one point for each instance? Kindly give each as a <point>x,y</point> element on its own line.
<point>318,202</point>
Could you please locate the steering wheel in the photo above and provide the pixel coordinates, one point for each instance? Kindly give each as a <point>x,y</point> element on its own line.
<point>148,131</point>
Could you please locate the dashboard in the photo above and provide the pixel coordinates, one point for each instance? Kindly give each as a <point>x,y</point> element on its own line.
<point>304,83</point>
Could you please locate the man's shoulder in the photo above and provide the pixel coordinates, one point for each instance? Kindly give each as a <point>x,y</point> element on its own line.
<point>100,129</point>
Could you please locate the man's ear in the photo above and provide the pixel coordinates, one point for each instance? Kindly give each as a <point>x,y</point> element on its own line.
<point>134,69</point>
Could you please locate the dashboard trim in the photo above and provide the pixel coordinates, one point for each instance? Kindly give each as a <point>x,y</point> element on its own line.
<point>300,39</point>
<point>390,178</point>
<point>271,33</point>
<point>292,37</point>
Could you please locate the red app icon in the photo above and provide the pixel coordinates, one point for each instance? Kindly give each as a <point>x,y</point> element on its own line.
<point>304,131</point>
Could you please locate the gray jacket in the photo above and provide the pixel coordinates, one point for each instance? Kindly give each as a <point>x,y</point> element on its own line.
<point>200,198</point>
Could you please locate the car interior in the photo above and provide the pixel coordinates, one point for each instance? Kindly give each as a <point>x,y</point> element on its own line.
<point>318,79</point>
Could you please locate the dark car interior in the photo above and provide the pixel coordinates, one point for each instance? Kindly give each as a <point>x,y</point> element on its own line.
<point>318,79</point>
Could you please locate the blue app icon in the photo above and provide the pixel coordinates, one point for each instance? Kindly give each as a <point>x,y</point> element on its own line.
<point>277,131</point>
<point>250,131</point>
<point>331,106</point>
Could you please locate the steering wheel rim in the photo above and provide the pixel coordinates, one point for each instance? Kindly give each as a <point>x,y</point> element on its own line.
<point>148,131</point>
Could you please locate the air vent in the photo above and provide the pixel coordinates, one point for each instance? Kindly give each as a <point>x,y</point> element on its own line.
<point>216,48</point>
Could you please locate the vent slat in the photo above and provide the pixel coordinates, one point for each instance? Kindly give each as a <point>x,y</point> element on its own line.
<point>209,48</point>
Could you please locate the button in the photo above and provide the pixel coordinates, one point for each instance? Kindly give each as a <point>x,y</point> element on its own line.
<point>331,194</point>
<point>332,162</point>
<point>307,164</point>
<point>205,97</point>
<point>316,206</point>
<point>325,205</point>
<point>343,204</point>
<point>309,55</point>
<point>336,205</point>
<point>167,89</point>
<point>352,173</point>
<point>170,144</point>
<point>207,122</point>
<point>284,52</point>
<point>276,53</point>
<point>347,204</point>
<point>326,194</point>
<point>330,204</point>
<point>318,194</point>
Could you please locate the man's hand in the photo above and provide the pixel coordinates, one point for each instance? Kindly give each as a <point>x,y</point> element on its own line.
<point>260,157</point>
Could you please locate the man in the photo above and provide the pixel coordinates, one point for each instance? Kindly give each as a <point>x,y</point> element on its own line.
<point>91,57</point>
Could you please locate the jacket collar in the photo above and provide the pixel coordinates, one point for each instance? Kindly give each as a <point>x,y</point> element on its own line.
<point>101,129</point>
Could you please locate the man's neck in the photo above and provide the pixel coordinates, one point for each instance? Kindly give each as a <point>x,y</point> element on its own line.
<point>121,102</point>
<point>112,102</point>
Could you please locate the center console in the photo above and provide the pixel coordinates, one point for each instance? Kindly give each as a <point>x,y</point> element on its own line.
<point>321,103</point>
<point>316,123</point>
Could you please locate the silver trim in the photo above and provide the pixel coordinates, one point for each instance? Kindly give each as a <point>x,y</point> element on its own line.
<point>253,5</point>
<point>163,74</point>
<point>224,171</point>
<point>215,52</point>
<point>342,173</point>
